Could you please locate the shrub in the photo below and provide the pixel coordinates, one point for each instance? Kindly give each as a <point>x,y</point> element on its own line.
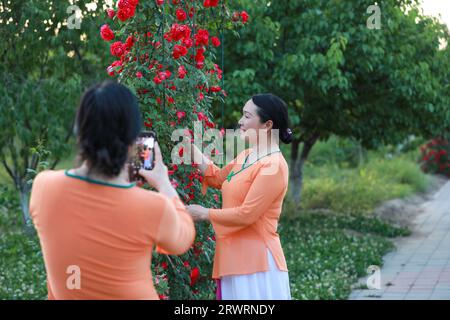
<point>435,157</point>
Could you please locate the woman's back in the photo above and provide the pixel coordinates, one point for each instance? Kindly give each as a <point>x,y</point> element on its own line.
<point>105,233</point>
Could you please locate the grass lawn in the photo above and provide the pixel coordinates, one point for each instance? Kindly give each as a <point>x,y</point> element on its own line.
<point>326,254</point>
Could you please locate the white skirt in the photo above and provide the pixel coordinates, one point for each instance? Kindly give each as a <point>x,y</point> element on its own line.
<point>267,285</point>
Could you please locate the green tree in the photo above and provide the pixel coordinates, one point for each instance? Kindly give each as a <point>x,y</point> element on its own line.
<point>340,77</point>
<point>44,66</point>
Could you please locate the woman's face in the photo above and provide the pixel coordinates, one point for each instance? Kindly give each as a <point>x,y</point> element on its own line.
<point>250,124</point>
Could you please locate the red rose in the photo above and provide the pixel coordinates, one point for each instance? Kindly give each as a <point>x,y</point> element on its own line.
<point>181,72</point>
<point>186,264</point>
<point>164,265</point>
<point>215,89</point>
<point>106,33</point>
<point>199,57</point>
<point>148,123</point>
<point>133,3</point>
<point>121,15</point>
<point>163,297</point>
<point>202,37</point>
<point>163,75</point>
<point>200,64</point>
<point>111,70</point>
<point>187,42</point>
<point>159,2</point>
<point>210,3</point>
<point>244,16</point>
<point>125,13</point>
<point>195,273</point>
<point>117,49</point>
<point>139,75</point>
<point>180,114</point>
<point>129,42</point>
<point>184,30</point>
<point>156,44</point>
<point>170,100</point>
<point>175,2</point>
<point>123,4</point>
<point>181,14</point>
<point>215,41</point>
<point>218,70</point>
<point>201,116</point>
<point>167,37</point>
<point>178,32</point>
<point>111,13</point>
<point>157,80</point>
<point>179,51</point>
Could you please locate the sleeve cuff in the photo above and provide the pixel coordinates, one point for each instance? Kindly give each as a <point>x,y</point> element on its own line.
<point>208,173</point>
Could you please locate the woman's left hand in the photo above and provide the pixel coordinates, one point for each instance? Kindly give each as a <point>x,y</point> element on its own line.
<point>198,212</point>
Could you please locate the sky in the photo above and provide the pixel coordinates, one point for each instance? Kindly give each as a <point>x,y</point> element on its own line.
<point>436,7</point>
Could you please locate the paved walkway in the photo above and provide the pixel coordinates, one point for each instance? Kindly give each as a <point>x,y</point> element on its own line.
<point>420,267</point>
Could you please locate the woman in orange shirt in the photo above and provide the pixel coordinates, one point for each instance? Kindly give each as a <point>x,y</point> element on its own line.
<point>96,229</point>
<point>249,262</point>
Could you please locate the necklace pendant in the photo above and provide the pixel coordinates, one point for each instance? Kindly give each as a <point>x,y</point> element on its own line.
<point>230,175</point>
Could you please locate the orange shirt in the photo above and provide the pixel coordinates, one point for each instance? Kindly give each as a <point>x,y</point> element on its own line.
<point>247,223</point>
<point>107,231</point>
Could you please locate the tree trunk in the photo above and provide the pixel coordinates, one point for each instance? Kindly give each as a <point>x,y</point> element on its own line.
<point>24,191</point>
<point>21,185</point>
<point>297,163</point>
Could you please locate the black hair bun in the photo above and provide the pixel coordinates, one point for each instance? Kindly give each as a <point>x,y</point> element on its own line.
<point>286,136</point>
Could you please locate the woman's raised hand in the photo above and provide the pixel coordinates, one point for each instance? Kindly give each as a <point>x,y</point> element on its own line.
<point>157,177</point>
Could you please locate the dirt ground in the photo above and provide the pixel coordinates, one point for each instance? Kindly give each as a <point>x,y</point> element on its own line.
<point>403,211</point>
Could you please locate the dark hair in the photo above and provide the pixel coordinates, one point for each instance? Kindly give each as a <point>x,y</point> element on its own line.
<point>108,121</point>
<point>271,107</point>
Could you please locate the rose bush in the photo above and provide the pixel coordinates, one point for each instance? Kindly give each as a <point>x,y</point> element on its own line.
<point>166,51</point>
<point>435,157</point>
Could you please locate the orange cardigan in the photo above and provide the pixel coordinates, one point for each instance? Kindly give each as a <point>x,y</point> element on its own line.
<point>247,223</point>
<point>108,232</point>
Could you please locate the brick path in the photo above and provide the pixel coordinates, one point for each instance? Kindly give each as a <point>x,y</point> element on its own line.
<point>420,267</point>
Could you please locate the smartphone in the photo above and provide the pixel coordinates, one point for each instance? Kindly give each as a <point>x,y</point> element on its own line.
<point>143,155</point>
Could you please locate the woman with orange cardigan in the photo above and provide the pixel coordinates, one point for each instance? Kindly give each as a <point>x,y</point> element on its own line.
<point>97,230</point>
<point>249,262</point>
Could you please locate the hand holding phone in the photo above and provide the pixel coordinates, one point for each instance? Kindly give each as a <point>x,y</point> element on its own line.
<point>158,177</point>
<point>143,155</point>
